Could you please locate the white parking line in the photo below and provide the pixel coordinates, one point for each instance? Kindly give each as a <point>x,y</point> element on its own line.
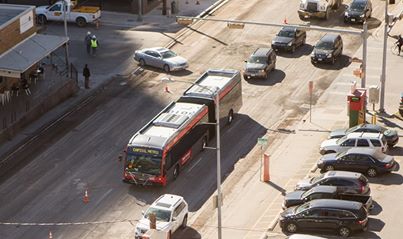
<point>190,169</point>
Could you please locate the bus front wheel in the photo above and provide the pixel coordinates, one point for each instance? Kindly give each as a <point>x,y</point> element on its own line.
<point>176,172</point>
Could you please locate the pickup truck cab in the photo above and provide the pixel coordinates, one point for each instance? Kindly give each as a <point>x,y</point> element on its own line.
<point>317,8</point>
<point>80,15</point>
<point>324,192</point>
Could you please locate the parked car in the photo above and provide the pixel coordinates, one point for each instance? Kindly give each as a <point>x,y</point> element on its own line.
<point>342,216</point>
<point>328,48</point>
<point>260,63</point>
<point>323,192</point>
<point>346,182</point>
<point>358,11</point>
<point>391,136</point>
<point>365,140</point>
<point>363,160</point>
<point>171,212</point>
<point>288,39</point>
<point>160,57</point>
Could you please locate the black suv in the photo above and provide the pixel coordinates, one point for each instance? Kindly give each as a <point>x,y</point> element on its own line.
<point>326,214</point>
<point>358,11</point>
<point>288,39</point>
<point>260,63</point>
<point>328,48</point>
<point>363,160</point>
<point>347,182</point>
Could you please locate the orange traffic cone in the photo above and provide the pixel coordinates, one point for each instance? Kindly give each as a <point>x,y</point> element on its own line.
<point>50,235</point>
<point>166,89</point>
<point>86,199</point>
<point>285,20</point>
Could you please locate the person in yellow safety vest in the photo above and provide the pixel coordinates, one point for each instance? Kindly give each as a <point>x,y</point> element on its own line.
<point>94,45</point>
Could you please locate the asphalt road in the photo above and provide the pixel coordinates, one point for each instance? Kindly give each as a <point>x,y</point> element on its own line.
<point>81,152</point>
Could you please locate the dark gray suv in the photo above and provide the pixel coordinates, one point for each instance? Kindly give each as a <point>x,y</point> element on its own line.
<point>260,63</point>
<point>328,48</point>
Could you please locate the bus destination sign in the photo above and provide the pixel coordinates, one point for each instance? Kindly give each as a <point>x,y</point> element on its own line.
<point>145,151</point>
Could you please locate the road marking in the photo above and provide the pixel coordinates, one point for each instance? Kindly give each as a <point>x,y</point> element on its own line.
<point>190,169</point>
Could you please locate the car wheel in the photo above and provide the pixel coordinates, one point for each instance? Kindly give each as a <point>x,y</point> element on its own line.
<point>329,168</point>
<point>176,172</point>
<point>230,117</point>
<point>184,222</point>
<point>81,22</point>
<point>344,231</point>
<point>333,60</point>
<point>166,68</point>
<point>42,19</point>
<point>142,62</point>
<point>372,172</point>
<point>327,14</point>
<point>293,48</point>
<point>291,227</point>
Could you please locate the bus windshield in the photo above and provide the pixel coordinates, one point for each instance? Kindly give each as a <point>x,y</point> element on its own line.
<point>144,162</point>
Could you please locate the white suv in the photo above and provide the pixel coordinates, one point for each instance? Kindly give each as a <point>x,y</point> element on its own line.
<point>171,212</point>
<point>370,140</point>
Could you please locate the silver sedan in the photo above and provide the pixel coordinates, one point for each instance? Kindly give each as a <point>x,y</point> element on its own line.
<point>160,57</point>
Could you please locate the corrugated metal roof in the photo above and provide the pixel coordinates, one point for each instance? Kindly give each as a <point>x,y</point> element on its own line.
<point>30,51</point>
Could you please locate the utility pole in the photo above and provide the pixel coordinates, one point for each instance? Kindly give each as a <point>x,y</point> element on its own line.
<point>140,11</point>
<point>64,5</point>
<point>383,75</point>
<point>164,7</point>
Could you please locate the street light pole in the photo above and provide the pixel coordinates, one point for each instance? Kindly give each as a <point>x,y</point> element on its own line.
<point>383,75</point>
<point>218,147</point>
<point>66,34</point>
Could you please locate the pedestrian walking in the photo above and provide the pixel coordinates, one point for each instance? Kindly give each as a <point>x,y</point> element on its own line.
<point>87,42</point>
<point>86,74</point>
<point>399,43</point>
<point>94,45</point>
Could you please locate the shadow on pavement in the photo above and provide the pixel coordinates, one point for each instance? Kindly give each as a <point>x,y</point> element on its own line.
<point>395,151</point>
<point>303,50</point>
<point>277,187</point>
<point>188,233</point>
<point>275,76</point>
<point>383,118</point>
<point>375,225</point>
<point>211,37</point>
<point>377,208</point>
<point>341,62</point>
<point>388,179</point>
<point>372,23</point>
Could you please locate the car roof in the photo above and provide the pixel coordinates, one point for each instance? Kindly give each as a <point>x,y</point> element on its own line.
<point>364,1</point>
<point>364,135</point>
<point>335,203</point>
<point>262,51</point>
<point>342,174</point>
<point>289,29</point>
<point>159,49</point>
<point>370,126</point>
<point>361,150</point>
<point>324,189</point>
<point>329,38</point>
<point>167,201</point>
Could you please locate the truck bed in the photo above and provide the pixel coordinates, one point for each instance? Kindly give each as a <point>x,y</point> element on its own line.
<point>366,200</point>
<point>86,9</point>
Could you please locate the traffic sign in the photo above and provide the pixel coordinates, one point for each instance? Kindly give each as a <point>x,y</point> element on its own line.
<point>262,141</point>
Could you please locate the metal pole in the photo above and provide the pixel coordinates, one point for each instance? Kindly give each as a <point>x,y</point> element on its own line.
<point>217,115</point>
<point>140,13</point>
<point>364,54</point>
<point>310,107</point>
<point>383,75</point>
<point>66,34</point>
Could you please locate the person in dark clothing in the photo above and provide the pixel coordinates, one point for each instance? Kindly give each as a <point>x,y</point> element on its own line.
<point>87,42</point>
<point>399,43</point>
<point>86,74</point>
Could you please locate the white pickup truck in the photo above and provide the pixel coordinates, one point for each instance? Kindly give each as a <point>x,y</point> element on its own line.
<point>80,15</point>
<point>317,8</point>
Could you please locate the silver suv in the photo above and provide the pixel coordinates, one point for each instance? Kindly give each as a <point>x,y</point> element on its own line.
<point>260,63</point>
<point>368,140</point>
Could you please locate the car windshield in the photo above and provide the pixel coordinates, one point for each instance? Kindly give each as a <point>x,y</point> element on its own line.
<point>324,45</point>
<point>341,154</point>
<point>160,214</point>
<point>341,140</point>
<point>286,33</point>
<point>357,6</point>
<point>168,54</point>
<point>305,194</point>
<point>301,208</point>
<point>316,179</point>
<point>353,129</point>
<point>144,163</point>
<point>257,59</point>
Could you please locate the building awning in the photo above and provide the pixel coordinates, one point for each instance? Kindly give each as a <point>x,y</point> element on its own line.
<point>28,52</point>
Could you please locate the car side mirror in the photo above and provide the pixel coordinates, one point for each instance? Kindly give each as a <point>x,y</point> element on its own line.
<point>174,219</point>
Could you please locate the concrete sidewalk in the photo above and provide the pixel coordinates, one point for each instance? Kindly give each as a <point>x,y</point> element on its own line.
<point>252,207</point>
